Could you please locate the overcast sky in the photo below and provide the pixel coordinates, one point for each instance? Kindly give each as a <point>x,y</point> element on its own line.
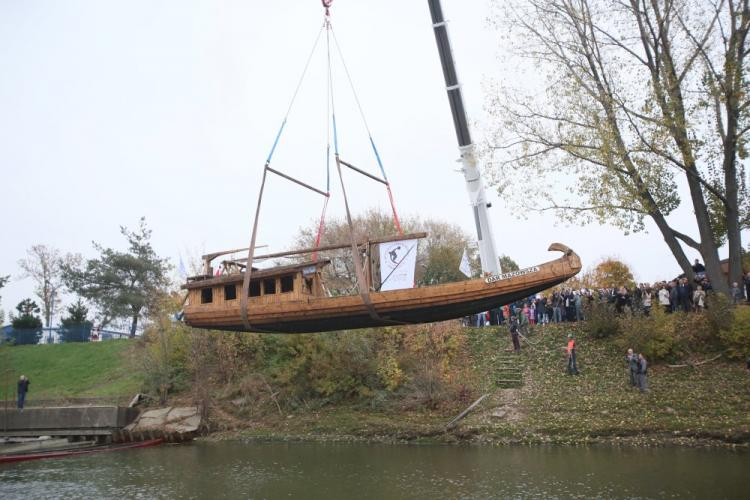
<point>113,110</point>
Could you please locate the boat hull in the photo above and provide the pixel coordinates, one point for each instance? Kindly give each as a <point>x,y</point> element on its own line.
<point>396,307</point>
<point>77,452</point>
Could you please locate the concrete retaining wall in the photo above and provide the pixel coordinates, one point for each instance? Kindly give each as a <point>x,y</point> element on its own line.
<point>71,420</point>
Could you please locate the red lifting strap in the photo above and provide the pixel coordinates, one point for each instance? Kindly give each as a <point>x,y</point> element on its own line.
<point>321,227</point>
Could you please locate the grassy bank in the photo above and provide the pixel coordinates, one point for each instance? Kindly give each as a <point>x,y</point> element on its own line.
<point>709,404</point>
<point>75,370</point>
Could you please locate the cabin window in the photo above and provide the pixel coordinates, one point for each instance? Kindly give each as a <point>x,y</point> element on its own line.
<point>287,284</point>
<point>207,295</point>
<point>230,292</point>
<point>254,289</point>
<point>269,286</point>
<point>308,285</point>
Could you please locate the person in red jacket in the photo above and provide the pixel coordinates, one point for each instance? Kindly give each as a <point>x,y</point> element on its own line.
<point>571,351</point>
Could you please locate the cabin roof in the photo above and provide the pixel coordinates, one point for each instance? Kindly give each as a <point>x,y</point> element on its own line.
<point>204,281</point>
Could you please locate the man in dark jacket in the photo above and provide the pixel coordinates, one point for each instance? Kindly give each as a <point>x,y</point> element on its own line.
<point>622,300</point>
<point>685,295</point>
<point>673,299</point>
<point>23,388</point>
<point>698,267</point>
<point>642,373</point>
<point>514,334</point>
<point>633,368</point>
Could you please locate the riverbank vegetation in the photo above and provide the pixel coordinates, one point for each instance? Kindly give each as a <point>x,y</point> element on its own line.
<point>406,383</point>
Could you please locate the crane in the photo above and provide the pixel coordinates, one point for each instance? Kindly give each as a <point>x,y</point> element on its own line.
<point>470,168</point>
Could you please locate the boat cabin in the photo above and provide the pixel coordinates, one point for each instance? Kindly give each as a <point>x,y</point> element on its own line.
<point>267,286</point>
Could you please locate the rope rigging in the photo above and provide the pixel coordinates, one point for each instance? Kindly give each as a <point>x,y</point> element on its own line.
<point>331,126</point>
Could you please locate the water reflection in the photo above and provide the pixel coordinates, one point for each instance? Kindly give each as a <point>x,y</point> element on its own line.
<point>308,470</point>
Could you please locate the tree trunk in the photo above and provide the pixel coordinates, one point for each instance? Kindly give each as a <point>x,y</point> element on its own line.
<point>709,249</point>
<point>734,74</point>
<point>133,324</point>
<point>734,236</point>
<point>674,245</point>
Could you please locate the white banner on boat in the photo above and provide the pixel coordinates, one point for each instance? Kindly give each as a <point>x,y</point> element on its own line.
<point>512,274</point>
<point>465,267</point>
<point>397,262</point>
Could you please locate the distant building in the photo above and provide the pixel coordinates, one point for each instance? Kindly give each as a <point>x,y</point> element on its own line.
<point>5,333</point>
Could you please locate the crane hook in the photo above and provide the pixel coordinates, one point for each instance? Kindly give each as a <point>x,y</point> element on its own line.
<point>327,5</point>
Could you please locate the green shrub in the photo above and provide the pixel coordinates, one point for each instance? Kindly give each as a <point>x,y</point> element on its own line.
<point>719,311</point>
<point>600,320</point>
<point>666,337</point>
<point>388,369</point>
<point>736,338</point>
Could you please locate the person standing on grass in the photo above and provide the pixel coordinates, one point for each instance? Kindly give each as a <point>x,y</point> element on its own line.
<point>557,304</point>
<point>633,367</point>
<point>578,303</point>
<point>664,298</point>
<point>646,299</point>
<point>571,350</point>
<point>673,299</point>
<point>685,295</point>
<point>699,299</point>
<point>642,373</point>
<point>23,388</point>
<point>736,293</point>
<point>514,334</point>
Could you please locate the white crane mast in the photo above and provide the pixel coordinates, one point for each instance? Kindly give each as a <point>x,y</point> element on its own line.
<point>471,170</point>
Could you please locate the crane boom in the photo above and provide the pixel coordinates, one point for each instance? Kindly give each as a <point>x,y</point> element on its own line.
<point>471,170</point>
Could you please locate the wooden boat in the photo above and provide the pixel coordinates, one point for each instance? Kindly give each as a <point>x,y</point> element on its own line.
<point>293,298</point>
<point>23,457</point>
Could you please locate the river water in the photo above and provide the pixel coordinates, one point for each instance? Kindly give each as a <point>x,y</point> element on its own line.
<point>353,471</point>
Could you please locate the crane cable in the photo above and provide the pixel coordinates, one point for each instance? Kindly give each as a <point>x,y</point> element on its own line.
<point>251,248</point>
<point>330,111</point>
<point>396,220</point>
<point>364,292</point>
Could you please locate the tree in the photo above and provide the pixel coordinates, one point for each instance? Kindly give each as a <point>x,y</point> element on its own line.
<point>3,281</point>
<point>638,93</point>
<point>27,326</point>
<point>75,326</point>
<point>43,264</point>
<point>438,258</point>
<point>121,284</point>
<point>507,264</point>
<point>612,273</point>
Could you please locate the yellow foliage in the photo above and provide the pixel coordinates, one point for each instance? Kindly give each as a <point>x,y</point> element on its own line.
<point>612,273</point>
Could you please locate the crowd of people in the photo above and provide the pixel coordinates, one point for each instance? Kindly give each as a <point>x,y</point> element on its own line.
<point>567,304</point>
